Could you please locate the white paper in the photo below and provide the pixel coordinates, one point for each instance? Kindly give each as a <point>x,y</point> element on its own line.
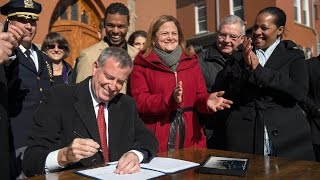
<point>158,166</point>
<point>168,165</point>
<point>107,173</point>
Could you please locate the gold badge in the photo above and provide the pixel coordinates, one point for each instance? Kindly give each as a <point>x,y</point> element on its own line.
<point>28,4</point>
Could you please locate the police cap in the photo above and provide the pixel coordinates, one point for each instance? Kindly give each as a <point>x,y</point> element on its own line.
<point>28,9</point>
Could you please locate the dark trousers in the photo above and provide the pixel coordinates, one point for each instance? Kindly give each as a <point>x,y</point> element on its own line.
<point>316,148</point>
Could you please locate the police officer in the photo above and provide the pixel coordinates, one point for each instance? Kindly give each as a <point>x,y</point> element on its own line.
<point>29,74</point>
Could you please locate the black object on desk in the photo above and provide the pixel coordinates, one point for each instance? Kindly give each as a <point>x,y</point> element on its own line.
<point>224,165</point>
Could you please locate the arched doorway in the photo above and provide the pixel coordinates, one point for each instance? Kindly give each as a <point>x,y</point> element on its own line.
<point>78,21</point>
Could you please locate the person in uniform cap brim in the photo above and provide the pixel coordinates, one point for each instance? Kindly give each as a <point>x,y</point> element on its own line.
<point>29,75</point>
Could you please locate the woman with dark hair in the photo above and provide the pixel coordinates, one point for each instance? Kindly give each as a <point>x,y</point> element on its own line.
<point>57,48</point>
<point>168,87</point>
<point>137,39</point>
<point>266,84</point>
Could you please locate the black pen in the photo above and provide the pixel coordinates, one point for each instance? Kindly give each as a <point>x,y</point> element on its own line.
<point>79,136</point>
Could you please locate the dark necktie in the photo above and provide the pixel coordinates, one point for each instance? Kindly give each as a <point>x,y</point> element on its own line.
<point>27,53</point>
<point>102,132</point>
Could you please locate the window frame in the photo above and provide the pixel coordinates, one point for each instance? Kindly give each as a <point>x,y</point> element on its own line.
<point>200,5</point>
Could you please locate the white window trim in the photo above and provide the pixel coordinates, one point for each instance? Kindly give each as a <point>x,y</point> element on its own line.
<point>231,7</point>
<point>197,17</point>
<point>306,9</point>
<point>298,5</point>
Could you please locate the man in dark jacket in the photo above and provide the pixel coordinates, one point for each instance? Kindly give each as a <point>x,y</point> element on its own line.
<point>212,61</point>
<point>28,75</point>
<point>8,42</point>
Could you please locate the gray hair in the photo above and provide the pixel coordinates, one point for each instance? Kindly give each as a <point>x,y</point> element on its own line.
<point>233,19</point>
<point>118,54</point>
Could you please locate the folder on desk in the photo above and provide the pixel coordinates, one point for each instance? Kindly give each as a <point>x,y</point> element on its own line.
<point>158,166</point>
<point>224,165</point>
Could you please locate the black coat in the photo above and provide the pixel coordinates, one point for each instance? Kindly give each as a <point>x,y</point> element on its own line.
<point>313,65</point>
<point>211,63</point>
<point>68,77</point>
<point>66,109</point>
<point>268,96</point>
<point>26,87</point>
<point>4,127</point>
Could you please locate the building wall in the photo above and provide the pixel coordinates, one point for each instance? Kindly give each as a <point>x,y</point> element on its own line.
<point>148,10</point>
<point>145,12</point>
<point>186,17</point>
<point>304,36</point>
<point>211,15</point>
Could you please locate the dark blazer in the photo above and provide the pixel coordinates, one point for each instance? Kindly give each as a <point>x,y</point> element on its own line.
<point>268,96</point>
<point>26,87</point>
<point>4,127</point>
<point>66,109</point>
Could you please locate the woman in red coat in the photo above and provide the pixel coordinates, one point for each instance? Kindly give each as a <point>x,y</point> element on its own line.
<point>168,87</point>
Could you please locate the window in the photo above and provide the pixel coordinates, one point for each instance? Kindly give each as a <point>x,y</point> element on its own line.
<point>74,12</point>
<point>301,12</point>
<point>201,17</point>
<point>305,13</point>
<point>236,8</point>
<point>297,11</point>
<point>84,17</point>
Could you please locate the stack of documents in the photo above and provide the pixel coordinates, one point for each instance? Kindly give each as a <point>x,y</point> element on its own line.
<point>158,166</point>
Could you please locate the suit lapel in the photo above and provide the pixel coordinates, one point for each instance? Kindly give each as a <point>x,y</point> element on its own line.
<point>85,110</point>
<point>24,61</point>
<point>102,45</point>
<point>41,60</point>
<point>115,118</point>
<point>277,58</point>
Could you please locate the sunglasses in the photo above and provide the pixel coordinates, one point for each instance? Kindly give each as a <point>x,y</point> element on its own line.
<point>52,46</point>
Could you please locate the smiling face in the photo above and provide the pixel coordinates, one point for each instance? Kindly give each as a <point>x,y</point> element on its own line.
<point>229,38</point>
<point>265,31</point>
<point>55,51</point>
<point>116,27</point>
<point>167,37</point>
<point>29,24</point>
<point>108,79</point>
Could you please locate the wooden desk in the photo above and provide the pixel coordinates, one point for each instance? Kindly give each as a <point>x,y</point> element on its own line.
<point>260,167</point>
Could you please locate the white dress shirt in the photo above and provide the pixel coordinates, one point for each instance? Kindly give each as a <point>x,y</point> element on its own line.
<point>33,55</point>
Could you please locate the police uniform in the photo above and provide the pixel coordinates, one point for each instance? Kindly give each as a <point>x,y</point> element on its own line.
<point>28,75</point>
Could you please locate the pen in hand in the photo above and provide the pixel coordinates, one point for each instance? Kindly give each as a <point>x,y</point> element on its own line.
<point>79,136</point>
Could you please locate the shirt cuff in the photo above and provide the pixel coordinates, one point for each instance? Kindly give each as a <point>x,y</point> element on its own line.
<point>52,162</point>
<point>139,154</point>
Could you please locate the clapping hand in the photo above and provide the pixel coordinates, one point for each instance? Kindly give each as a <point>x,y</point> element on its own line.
<point>177,93</point>
<point>217,102</point>
<point>250,57</point>
<point>9,41</point>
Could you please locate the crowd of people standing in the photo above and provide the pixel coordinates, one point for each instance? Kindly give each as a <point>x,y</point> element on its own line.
<point>127,100</point>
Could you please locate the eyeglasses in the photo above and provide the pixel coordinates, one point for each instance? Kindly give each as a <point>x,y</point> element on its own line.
<point>224,36</point>
<point>52,46</point>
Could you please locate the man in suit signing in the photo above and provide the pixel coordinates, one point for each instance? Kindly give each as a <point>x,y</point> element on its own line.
<point>68,112</point>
